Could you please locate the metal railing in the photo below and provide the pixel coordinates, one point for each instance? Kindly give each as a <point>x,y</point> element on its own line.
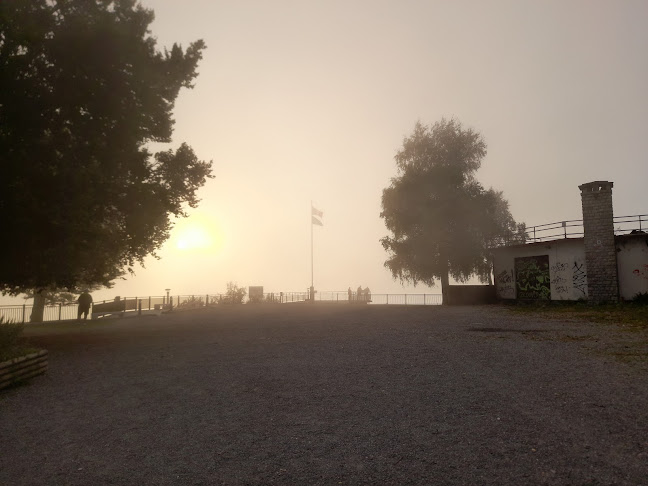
<point>379,299</point>
<point>574,228</point>
<point>52,312</point>
<point>132,305</point>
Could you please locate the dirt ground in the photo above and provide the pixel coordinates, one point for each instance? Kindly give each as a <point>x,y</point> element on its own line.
<point>330,394</point>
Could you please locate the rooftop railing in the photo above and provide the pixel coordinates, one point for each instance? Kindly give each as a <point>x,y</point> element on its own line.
<point>573,228</point>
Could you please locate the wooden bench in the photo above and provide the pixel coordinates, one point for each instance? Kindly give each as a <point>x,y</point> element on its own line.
<point>113,307</point>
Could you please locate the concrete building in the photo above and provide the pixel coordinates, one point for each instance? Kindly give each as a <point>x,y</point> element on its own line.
<point>599,266</point>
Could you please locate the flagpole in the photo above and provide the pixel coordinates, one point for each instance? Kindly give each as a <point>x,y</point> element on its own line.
<point>312,278</point>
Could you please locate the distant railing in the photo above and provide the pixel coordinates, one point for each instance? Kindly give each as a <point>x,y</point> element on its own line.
<point>53,312</point>
<point>574,228</point>
<point>381,299</point>
<point>132,305</point>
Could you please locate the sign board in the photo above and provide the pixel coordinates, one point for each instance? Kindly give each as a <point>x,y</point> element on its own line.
<point>255,293</point>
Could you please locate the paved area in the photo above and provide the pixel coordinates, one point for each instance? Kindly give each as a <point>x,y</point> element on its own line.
<point>328,394</point>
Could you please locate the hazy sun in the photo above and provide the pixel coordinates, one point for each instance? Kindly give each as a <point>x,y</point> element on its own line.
<point>197,232</point>
<point>194,238</point>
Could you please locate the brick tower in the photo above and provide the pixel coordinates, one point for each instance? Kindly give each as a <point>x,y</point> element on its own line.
<point>600,250</point>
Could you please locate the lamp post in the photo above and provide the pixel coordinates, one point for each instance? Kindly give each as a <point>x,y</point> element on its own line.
<point>167,297</point>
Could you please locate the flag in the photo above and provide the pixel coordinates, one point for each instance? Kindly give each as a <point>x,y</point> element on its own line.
<point>316,214</point>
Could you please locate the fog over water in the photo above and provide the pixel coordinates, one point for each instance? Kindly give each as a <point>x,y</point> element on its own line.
<point>300,101</point>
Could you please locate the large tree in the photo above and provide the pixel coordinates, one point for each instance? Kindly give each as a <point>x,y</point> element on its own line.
<point>441,218</point>
<point>83,92</point>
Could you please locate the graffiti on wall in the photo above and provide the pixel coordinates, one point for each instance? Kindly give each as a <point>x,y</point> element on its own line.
<point>560,279</point>
<point>641,272</point>
<point>504,284</point>
<point>579,279</point>
<point>532,278</point>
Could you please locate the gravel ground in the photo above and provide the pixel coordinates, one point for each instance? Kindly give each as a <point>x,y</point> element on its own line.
<point>330,394</point>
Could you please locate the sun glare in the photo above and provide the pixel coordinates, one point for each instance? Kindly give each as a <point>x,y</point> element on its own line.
<point>194,238</point>
<point>197,233</point>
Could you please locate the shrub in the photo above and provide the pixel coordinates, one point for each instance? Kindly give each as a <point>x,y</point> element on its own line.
<point>234,294</point>
<point>192,301</point>
<point>641,298</point>
<point>11,340</point>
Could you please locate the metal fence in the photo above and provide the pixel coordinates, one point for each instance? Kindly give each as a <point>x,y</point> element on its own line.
<point>573,228</point>
<point>131,305</point>
<point>381,299</point>
<point>54,312</point>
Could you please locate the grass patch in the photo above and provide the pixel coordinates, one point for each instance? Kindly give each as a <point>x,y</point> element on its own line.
<point>633,316</point>
<point>12,343</point>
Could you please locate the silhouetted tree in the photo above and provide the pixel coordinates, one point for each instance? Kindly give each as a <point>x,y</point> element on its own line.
<point>441,219</point>
<point>83,90</point>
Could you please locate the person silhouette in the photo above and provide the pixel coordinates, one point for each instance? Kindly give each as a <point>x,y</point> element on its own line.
<point>350,292</point>
<point>85,301</point>
<point>359,293</point>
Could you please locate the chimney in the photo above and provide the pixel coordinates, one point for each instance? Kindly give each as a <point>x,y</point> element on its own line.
<point>600,250</point>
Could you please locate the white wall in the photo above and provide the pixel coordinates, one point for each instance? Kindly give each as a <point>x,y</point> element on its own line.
<point>567,270</point>
<point>632,265</point>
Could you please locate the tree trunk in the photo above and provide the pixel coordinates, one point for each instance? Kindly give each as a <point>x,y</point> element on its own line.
<point>445,285</point>
<point>38,309</point>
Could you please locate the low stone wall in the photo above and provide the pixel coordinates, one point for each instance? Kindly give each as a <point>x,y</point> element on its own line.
<point>471,294</point>
<point>20,369</point>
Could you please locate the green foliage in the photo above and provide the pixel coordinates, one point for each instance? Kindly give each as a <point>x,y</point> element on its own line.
<point>640,298</point>
<point>54,296</point>
<point>442,220</point>
<point>234,294</point>
<point>10,340</point>
<point>191,302</point>
<point>83,90</point>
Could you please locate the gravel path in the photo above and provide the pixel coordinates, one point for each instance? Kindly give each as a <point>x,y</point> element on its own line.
<point>329,394</point>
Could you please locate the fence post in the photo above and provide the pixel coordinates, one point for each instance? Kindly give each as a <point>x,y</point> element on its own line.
<point>23,319</point>
<point>149,307</point>
<point>60,311</point>
<point>424,295</point>
<point>405,299</point>
<point>387,299</point>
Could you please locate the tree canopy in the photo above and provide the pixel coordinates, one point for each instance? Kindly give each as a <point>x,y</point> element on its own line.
<point>83,92</point>
<point>442,220</point>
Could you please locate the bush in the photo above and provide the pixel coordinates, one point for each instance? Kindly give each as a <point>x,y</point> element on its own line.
<point>641,298</point>
<point>193,301</point>
<point>234,294</point>
<point>11,340</point>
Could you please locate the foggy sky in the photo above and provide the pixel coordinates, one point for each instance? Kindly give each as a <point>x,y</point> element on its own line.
<point>310,100</point>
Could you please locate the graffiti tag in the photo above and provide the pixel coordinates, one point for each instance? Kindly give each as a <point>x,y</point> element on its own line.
<point>579,277</point>
<point>532,277</point>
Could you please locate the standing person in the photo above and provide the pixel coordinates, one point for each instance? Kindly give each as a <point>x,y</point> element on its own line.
<point>84,300</point>
<point>350,294</point>
<point>367,294</point>
<point>359,296</point>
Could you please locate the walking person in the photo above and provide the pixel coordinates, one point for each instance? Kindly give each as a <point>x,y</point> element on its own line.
<point>85,301</point>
